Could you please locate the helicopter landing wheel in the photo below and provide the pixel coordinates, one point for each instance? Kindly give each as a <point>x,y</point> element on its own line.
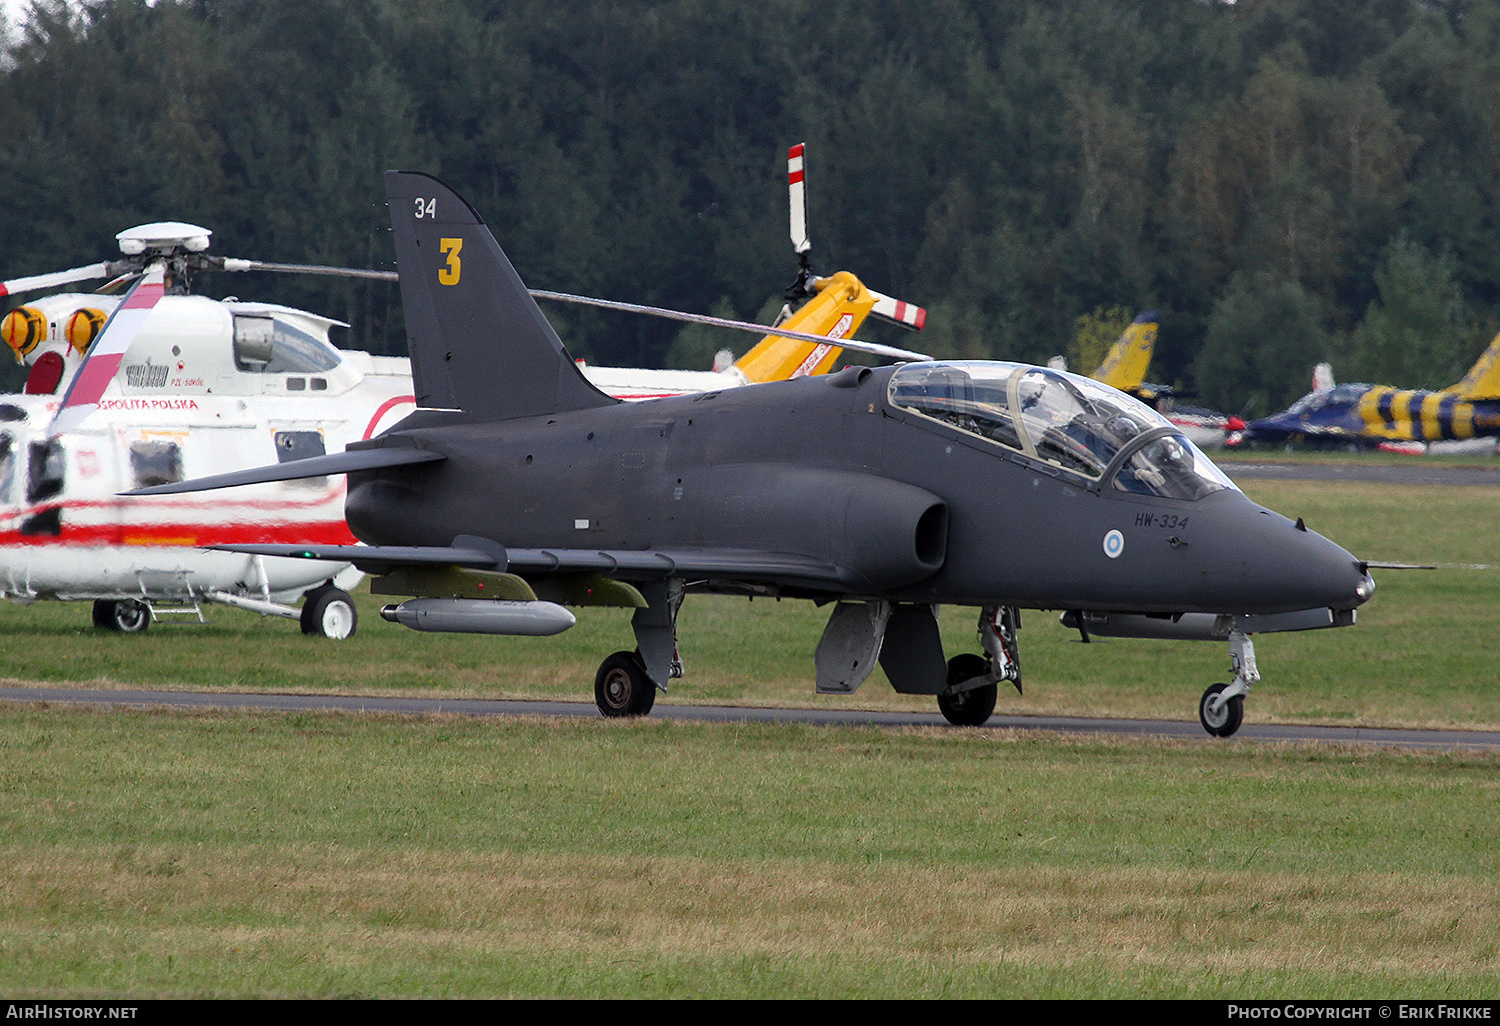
<point>127,616</point>
<point>622,688</point>
<point>329,612</point>
<point>973,707</point>
<point>1227,718</point>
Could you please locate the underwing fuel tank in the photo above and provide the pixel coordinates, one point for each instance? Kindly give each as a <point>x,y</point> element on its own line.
<point>481,616</point>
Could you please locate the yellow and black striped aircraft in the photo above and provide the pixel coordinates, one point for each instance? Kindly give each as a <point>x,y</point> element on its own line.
<point>1380,414</point>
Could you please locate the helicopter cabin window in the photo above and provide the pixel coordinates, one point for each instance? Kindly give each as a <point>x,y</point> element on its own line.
<point>155,462</point>
<point>299,445</point>
<point>45,472</point>
<point>265,345</point>
<point>1062,420</point>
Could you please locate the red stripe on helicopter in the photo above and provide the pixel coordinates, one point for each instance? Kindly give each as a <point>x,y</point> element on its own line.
<point>385,408</point>
<point>328,532</point>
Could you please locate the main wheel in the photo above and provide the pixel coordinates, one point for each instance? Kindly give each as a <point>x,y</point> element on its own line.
<point>973,707</point>
<point>329,612</point>
<point>1227,720</point>
<point>128,616</point>
<point>621,687</point>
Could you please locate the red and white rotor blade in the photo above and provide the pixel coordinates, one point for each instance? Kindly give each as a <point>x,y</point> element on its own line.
<point>53,279</point>
<point>893,309</point>
<point>798,190</point>
<point>102,361</point>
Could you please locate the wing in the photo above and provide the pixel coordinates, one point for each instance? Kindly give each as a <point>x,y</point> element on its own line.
<point>707,564</point>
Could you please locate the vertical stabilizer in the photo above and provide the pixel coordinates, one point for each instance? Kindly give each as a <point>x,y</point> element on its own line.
<point>1125,365</point>
<point>1483,379</point>
<point>478,341</point>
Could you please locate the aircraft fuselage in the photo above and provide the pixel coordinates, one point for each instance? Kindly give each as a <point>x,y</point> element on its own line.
<point>907,506</point>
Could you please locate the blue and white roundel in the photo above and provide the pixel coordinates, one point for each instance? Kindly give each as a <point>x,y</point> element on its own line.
<point>1114,544</point>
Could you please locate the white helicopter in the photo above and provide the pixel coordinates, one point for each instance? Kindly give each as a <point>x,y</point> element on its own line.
<point>160,385</point>
<point>175,382</point>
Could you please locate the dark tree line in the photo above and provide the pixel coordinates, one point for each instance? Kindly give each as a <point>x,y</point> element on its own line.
<point>1285,180</point>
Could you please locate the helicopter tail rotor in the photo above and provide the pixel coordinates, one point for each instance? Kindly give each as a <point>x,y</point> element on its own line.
<point>886,307</point>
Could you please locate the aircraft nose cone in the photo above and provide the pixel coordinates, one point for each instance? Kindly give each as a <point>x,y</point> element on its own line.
<point>1326,573</point>
<point>1275,565</point>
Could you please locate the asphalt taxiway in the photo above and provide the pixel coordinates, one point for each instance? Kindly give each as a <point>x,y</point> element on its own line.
<point>187,700</point>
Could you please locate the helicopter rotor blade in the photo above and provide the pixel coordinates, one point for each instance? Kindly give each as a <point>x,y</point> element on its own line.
<point>234,264</point>
<point>721,322</point>
<point>797,189</point>
<point>102,361</point>
<point>54,279</point>
<point>903,313</point>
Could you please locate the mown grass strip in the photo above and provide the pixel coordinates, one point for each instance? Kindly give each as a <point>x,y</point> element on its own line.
<point>157,854</point>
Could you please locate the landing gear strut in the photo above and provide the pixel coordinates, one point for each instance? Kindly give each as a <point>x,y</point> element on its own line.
<point>1222,707</point>
<point>627,681</point>
<point>973,680</point>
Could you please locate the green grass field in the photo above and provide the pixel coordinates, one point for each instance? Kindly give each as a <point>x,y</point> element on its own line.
<point>166,855</point>
<point>154,854</point>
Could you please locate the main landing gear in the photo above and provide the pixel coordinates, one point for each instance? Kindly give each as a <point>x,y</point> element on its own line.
<point>328,611</point>
<point>973,680</point>
<point>128,616</point>
<point>626,683</point>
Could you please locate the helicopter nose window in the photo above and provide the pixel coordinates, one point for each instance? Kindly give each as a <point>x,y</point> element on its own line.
<point>265,345</point>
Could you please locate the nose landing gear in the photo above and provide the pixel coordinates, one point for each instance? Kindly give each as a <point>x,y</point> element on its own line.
<point>1222,707</point>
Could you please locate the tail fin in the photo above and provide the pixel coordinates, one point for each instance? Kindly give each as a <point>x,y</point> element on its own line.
<point>478,341</point>
<point>841,305</point>
<point>1125,365</point>
<point>1483,379</point>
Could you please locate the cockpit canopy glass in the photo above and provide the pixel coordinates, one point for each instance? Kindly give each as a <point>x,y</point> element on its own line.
<point>1340,395</point>
<point>1073,423</point>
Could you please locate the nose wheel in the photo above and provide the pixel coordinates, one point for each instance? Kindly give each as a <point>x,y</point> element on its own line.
<point>1221,710</point>
<point>1220,716</point>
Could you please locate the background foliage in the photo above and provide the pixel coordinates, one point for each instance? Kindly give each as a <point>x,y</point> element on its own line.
<point>1285,180</point>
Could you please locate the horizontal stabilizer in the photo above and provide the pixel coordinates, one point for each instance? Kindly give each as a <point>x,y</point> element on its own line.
<point>314,466</point>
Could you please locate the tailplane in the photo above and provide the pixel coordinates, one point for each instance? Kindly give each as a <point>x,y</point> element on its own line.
<point>478,341</point>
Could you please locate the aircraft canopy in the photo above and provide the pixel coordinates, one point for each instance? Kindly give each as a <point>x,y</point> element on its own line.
<point>1067,421</point>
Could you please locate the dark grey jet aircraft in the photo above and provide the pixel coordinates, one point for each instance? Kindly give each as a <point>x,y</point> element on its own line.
<point>517,489</point>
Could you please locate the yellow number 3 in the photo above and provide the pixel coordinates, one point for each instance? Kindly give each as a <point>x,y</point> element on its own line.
<point>449,275</point>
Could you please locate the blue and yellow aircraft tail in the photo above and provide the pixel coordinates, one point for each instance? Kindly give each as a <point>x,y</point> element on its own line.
<point>1483,379</point>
